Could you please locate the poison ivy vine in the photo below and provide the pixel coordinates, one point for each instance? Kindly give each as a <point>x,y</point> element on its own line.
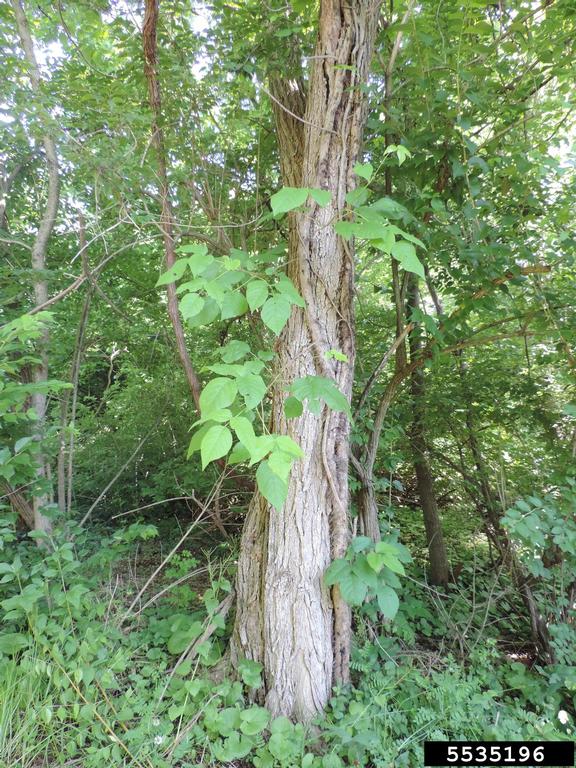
<point>232,422</point>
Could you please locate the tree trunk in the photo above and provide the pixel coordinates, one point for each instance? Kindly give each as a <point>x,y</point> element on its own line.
<point>149,42</point>
<point>40,372</point>
<point>19,504</point>
<point>65,464</point>
<point>488,498</point>
<point>287,619</point>
<point>368,518</point>
<point>367,505</point>
<point>439,567</point>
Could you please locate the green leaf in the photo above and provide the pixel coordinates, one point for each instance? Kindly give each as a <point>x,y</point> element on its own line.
<point>280,463</point>
<point>174,273</point>
<point>243,257</point>
<point>375,561</point>
<point>407,236</point>
<point>12,642</point>
<point>217,394</point>
<point>309,760</point>
<point>332,760</point>
<point>22,443</point>
<point>181,638</point>
<point>358,196</point>
<point>191,285</point>
<point>413,264</point>
<point>281,726</point>
<point>336,355</point>
<point>226,369</point>
<point>390,208</point>
<point>244,431</point>
<point>234,305</point>
<point>272,487</point>
<point>360,543</point>
<point>315,388</point>
<point>256,293</point>
<point>345,229</point>
<point>216,290</point>
<point>191,305</point>
<point>252,388</point>
<point>336,571</point>
<point>365,230</point>
<point>254,720</point>
<point>394,564</point>
<point>389,559</point>
<point>239,454</point>
<point>231,276</point>
<point>235,747</point>
<point>250,673</point>
<point>275,313</point>
<point>228,720</point>
<point>197,438</point>
<point>218,415</point>
<point>370,230</point>
<point>365,170</point>
<point>216,443</point>
<point>261,448</point>
<point>406,254</point>
<point>320,196</point>
<point>195,248</point>
<point>234,350</point>
<point>254,366</point>
<point>287,288</point>
<point>287,199</point>
<point>283,748</point>
<point>388,601</point>
<point>361,569</point>
<point>395,554</point>
<point>386,242</point>
<point>353,589</point>
<point>208,314</point>
<point>200,261</point>
<point>293,407</point>
<point>289,446</point>
<point>402,153</point>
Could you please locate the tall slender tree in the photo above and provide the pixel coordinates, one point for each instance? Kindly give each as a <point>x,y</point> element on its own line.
<point>39,250</point>
<point>149,41</point>
<point>438,559</point>
<point>287,619</point>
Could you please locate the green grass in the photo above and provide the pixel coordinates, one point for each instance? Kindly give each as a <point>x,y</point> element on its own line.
<point>27,729</point>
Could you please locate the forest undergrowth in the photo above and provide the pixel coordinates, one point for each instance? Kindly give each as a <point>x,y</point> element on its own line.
<point>114,656</point>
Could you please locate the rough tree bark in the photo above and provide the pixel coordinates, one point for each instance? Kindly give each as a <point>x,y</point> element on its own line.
<point>20,504</point>
<point>439,571</point>
<point>39,249</point>
<point>286,618</point>
<point>149,41</point>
